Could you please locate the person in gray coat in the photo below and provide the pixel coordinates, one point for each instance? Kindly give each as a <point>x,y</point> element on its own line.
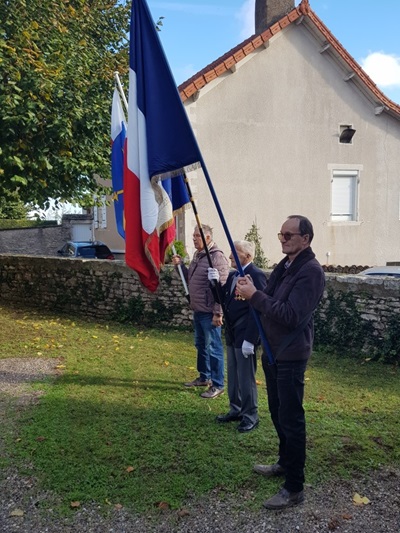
<point>242,337</point>
<point>207,313</point>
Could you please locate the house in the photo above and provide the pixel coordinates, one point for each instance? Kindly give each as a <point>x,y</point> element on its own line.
<point>288,122</point>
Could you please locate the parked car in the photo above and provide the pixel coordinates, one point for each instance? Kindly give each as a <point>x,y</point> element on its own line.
<point>86,250</point>
<point>393,271</point>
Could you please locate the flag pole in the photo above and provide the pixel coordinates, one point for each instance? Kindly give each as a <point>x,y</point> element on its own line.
<point>181,274</point>
<point>121,91</point>
<point>265,343</point>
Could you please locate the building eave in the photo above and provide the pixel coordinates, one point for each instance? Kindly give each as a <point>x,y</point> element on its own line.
<point>300,14</point>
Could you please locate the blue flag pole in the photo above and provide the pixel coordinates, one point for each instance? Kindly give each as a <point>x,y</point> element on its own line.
<point>264,340</point>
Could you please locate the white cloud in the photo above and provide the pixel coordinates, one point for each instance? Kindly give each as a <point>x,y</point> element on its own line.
<point>383,68</point>
<point>246,17</point>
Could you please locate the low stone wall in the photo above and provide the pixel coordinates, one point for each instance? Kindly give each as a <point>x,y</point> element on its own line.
<point>95,288</point>
<point>110,290</point>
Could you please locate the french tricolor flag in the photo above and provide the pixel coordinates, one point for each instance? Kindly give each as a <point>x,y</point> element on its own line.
<point>161,148</point>
<point>118,159</point>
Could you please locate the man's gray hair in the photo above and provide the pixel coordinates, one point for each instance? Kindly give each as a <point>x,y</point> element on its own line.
<point>248,247</point>
<point>207,230</point>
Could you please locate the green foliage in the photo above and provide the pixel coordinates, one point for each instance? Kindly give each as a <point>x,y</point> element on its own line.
<point>339,325</point>
<point>389,351</point>
<point>180,250</point>
<point>253,235</point>
<point>117,426</point>
<point>57,60</point>
<point>134,312</point>
<point>12,208</point>
<point>24,223</point>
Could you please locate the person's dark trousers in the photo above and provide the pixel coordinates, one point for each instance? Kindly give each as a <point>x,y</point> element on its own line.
<point>242,387</point>
<point>285,390</point>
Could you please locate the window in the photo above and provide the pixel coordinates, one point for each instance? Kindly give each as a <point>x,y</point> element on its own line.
<point>344,195</point>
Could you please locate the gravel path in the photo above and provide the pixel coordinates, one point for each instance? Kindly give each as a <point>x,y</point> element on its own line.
<point>327,508</point>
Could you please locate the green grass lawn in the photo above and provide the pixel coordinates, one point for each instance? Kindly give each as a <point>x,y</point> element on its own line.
<point>118,427</point>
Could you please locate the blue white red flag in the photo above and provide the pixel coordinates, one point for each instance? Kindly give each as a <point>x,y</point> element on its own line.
<point>161,147</point>
<point>118,160</point>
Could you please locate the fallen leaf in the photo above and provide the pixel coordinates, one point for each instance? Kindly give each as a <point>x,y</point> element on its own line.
<point>162,505</point>
<point>258,382</point>
<point>40,439</point>
<point>118,506</point>
<point>17,512</point>
<point>347,516</point>
<point>360,500</point>
<point>75,504</point>
<point>60,366</point>
<point>130,469</point>
<point>183,512</point>
<point>166,363</point>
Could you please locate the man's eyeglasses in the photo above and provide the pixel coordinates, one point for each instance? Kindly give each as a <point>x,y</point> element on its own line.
<point>286,236</point>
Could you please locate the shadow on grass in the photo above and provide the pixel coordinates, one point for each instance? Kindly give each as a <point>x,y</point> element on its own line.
<point>111,449</point>
<point>139,442</point>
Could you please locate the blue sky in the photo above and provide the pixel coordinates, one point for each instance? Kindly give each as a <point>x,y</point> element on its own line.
<point>196,32</point>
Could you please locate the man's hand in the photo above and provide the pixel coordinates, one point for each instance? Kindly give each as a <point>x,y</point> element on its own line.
<point>217,320</point>
<point>245,287</point>
<point>176,260</point>
<point>247,348</point>
<point>213,274</point>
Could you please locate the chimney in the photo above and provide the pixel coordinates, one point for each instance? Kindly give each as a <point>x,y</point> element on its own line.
<point>270,11</point>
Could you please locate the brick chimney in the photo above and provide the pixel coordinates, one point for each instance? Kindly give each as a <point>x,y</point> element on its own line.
<point>269,11</point>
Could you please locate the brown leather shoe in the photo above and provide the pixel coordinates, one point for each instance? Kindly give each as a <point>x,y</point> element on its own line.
<point>269,470</point>
<point>284,499</point>
<point>198,383</point>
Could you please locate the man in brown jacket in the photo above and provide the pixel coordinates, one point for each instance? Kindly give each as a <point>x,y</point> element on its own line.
<point>207,313</point>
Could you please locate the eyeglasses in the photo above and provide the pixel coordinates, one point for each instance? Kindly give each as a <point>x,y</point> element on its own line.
<point>286,236</point>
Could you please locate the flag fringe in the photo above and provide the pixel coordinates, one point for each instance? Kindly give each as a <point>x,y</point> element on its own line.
<point>176,173</point>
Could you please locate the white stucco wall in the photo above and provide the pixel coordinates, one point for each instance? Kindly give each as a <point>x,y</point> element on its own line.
<point>269,135</point>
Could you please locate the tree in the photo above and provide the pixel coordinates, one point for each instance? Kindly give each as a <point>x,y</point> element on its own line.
<point>253,235</point>
<point>11,208</point>
<point>57,59</point>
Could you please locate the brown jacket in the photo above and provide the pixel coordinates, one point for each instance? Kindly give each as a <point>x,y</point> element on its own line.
<point>201,296</point>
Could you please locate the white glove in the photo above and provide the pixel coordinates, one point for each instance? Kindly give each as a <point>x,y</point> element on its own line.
<point>213,274</point>
<point>247,349</point>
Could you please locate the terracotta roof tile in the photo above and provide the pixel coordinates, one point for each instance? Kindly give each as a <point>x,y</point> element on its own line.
<point>228,60</point>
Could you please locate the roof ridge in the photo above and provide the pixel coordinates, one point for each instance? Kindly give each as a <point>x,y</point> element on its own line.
<point>228,60</point>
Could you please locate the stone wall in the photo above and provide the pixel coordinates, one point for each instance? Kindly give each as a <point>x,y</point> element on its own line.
<point>39,241</point>
<point>95,288</point>
<point>110,290</point>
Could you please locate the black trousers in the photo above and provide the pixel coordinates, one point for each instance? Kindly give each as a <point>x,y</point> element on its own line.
<point>285,390</point>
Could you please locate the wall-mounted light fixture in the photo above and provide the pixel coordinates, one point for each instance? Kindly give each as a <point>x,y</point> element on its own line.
<point>346,134</point>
